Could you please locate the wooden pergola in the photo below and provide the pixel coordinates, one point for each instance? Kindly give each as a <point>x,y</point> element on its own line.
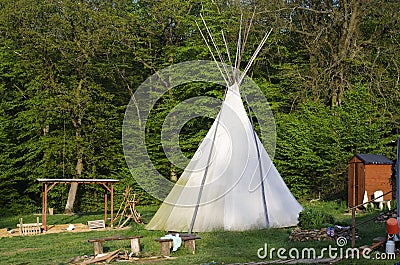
<point>108,184</point>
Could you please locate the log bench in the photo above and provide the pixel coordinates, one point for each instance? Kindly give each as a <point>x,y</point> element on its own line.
<point>98,243</point>
<point>189,242</point>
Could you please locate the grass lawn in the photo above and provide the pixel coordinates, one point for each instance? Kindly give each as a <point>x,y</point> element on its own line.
<point>217,247</point>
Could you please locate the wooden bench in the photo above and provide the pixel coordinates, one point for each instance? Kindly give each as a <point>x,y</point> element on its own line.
<point>30,229</point>
<point>96,224</point>
<point>189,242</point>
<point>98,243</point>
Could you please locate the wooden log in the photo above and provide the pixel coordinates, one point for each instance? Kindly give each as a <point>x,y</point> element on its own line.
<point>135,246</point>
<point>98,247</point>
<point>165,246</point>
<point>124,223</point>
<point>190,244</point>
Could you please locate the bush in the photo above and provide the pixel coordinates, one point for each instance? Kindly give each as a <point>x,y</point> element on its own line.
<point>311,218</point>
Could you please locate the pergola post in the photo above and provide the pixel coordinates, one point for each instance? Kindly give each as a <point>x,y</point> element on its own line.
<point>112,205</point>
<point>44,206</point>
<point>105,206</point>
<point>44,203</point>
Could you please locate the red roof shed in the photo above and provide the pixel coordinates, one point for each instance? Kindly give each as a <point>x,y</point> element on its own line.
<point>370,173</point>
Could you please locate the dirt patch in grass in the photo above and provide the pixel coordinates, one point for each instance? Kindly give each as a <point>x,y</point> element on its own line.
<point>17,251</point>
<point>54,229</point>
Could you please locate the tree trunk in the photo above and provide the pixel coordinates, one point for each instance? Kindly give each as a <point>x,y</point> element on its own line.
<point>69,207</point>
<point>77,122</point>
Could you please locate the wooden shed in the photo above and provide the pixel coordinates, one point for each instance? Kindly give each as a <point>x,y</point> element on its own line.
<point>368,173</point>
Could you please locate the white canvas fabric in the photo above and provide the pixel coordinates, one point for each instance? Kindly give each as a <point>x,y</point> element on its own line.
<point>233,193</point>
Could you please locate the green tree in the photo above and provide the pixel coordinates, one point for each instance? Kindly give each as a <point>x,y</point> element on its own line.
<point>69,119</point>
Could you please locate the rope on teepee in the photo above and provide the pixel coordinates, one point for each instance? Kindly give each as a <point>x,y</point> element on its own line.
<point>264,200</point>
<point>252,123</point>
<point>196,209</point>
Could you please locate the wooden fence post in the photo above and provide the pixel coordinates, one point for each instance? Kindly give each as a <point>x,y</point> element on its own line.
<point>353,227</point>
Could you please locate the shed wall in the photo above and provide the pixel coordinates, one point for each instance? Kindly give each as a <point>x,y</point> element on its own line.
<point>378,178</point>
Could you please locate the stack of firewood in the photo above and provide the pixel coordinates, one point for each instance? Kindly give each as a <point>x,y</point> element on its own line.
<point>120,255</point>
<point>301,235</point>
<point>382,218</point>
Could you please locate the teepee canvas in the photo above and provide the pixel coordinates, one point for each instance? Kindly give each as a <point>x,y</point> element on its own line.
<point>231,182</point>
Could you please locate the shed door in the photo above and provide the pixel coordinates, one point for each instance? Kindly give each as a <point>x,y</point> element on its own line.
<point>360,182</point>
<point>356,183</point>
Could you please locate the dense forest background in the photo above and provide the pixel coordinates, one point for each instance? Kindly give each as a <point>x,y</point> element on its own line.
<point>330,70</point>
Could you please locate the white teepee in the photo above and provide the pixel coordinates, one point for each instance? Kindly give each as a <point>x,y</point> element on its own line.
<point>231,182</point>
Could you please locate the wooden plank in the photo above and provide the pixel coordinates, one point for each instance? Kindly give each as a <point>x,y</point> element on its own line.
<point>113,238</point>
<point>164,240</point>
<point>32,224</point>
<point>77,180</point>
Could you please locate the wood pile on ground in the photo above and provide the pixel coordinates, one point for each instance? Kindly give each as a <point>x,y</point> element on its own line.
<point>120,255</point>
<point>58,228</point>
<point>303,235</point>
<point>383,217</point>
